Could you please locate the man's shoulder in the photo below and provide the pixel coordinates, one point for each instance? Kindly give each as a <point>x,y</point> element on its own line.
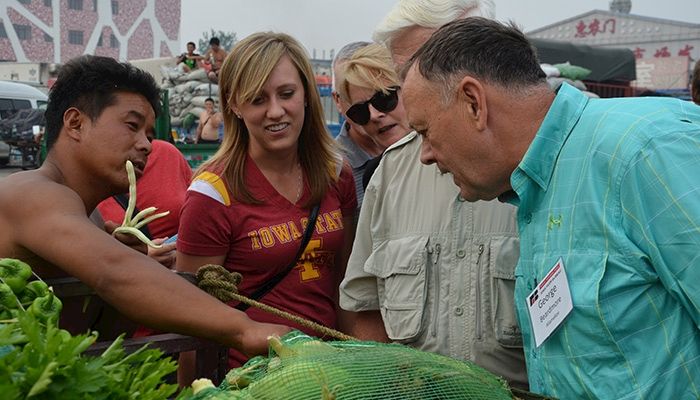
<point>399,161</point>
<point>407,147</point>
<point>32,195</point>
<point>411,137</point>
<point>163,147</point>
<point>31,182</point>
<point>18,183</point>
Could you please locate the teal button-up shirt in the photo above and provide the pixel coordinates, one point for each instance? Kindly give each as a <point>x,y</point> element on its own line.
<point>612,186</point>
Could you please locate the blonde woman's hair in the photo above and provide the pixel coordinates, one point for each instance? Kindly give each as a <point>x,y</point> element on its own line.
<point>369,67</point>
<point>428,14</point>
<point>242,78</point>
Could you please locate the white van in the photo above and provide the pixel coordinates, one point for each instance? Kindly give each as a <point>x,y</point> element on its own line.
<point>17,96</point>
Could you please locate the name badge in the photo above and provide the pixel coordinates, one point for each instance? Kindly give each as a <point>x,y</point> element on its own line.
<point>550,303</point>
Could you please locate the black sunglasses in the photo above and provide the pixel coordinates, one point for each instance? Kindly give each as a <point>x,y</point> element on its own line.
<point>382,102</point>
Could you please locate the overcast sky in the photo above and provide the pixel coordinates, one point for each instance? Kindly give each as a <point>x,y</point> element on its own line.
<point>326,24</point>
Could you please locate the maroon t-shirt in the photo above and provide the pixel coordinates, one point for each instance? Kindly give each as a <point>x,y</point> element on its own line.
<point>259,240</point>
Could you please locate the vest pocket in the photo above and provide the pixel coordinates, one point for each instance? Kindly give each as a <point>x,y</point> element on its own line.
<point>503,257</point>
<point>400,266</point>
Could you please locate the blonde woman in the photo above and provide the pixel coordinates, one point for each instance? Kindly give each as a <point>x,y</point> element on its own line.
<point>248,206</point>
<point>369,91</point>
<point>369,95</point>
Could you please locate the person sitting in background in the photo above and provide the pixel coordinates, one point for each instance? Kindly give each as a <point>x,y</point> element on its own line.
<point>214,59</point>
<point>249,204</point>
<point>427,268</point>
<point>98,116</point>
<point>209,122</point>
<point>357,147</point>
<point>190,60</point>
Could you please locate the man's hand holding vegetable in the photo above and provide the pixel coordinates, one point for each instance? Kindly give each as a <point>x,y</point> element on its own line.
<point>129,240</point>
<point>165,253</point>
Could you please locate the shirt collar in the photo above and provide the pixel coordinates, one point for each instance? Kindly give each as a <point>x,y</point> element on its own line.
<point>540,158</point>
<point>354,153</point>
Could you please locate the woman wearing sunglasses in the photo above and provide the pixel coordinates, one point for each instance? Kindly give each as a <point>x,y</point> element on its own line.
<point>249,205</point>
<point>370,96</point>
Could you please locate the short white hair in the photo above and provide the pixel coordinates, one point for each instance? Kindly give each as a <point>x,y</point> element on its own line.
<point>428,14</point>
<point>344,54</point>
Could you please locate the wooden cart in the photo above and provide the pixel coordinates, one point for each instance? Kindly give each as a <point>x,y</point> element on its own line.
<point>212,358</point>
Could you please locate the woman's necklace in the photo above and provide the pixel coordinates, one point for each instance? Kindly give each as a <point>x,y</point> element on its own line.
<point>300,186</point>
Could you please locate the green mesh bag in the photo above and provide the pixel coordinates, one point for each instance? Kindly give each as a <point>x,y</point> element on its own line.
<point>302,367</point>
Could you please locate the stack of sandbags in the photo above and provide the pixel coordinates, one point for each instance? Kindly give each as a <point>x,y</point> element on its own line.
<point>566,72</point>
<point>187,93</point>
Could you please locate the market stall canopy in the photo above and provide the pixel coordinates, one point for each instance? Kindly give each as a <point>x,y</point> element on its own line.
<point>606,64</point>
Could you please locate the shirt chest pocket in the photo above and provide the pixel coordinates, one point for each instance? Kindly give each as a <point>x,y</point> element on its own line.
<point>503,257</point>
<point>400,268</point>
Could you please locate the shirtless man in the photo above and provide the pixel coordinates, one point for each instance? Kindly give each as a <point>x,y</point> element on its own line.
<point>99,114</point>
<point>209,122</point>
<point>215,57</point>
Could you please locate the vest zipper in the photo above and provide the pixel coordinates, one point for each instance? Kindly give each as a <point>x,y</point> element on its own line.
<point>436,298</point>
<point>477,293</point>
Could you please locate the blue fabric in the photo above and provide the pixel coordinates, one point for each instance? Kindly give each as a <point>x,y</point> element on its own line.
<point>613,187</point>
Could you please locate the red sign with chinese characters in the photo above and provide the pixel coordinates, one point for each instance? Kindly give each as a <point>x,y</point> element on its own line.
<point>595,27</point>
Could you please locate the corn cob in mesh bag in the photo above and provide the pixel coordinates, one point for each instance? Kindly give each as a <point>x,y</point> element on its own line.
<point>302,367</point>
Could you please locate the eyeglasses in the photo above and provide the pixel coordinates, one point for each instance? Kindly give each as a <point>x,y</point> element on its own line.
<point>382,102</point>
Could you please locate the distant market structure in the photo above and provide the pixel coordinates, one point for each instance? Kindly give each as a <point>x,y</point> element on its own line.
<point>665,50</point>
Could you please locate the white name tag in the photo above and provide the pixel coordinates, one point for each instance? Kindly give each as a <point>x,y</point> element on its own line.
<point>550,303</point>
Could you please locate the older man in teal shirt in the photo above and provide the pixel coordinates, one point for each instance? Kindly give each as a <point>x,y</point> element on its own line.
<point>608,283</point>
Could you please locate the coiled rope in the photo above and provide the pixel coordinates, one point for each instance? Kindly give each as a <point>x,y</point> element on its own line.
<point>223,284</point>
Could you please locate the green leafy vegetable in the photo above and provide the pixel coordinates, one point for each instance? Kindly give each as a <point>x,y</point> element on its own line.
<point>46,308</point>
<point>8,299</point>
<point>14,273</point>
<point>33,290</point>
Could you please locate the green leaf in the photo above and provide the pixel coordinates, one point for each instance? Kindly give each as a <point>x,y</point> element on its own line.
<point>8,390</point>
<point>44,380</point>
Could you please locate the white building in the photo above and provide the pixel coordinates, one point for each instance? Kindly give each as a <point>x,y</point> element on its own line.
<point>54,31</point>
<point>665,50</point>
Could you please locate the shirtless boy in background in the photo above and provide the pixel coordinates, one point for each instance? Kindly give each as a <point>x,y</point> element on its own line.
<point>209,122</point>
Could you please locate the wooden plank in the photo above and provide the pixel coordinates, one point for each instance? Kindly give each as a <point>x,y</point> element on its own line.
<point>212,358</point>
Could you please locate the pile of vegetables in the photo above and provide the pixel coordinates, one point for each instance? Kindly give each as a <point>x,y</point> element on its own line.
<point>302,367</point>
<point>39,360</point>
